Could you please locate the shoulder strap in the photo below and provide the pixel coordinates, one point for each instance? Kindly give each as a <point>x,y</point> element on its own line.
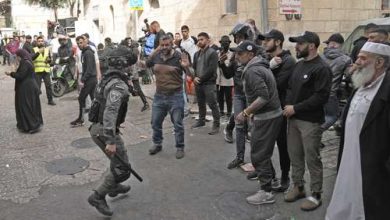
<point>195,39</point>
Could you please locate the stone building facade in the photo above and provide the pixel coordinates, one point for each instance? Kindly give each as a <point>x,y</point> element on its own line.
<point>115,19</point>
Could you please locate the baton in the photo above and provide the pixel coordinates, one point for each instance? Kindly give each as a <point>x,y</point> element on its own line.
<point>139,178</point>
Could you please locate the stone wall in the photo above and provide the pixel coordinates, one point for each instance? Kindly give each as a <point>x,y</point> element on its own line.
<point>33,19</point>
<point>202,15</point>
<point>325,16</point>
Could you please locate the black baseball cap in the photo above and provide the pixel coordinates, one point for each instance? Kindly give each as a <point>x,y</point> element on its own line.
<point>308,37</point>
<point>245,46</point>
<point>273,34</point>
<point>338,38</point>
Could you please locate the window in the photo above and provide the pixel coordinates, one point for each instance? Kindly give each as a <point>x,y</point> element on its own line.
<point>231,6</point>
<point>385,4</point>
<point>154,3</point>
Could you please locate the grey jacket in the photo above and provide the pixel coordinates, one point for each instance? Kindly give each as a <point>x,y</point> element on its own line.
<point>259,82</point>
<point>339,63</point>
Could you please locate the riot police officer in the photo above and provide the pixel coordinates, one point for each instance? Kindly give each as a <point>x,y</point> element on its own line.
<point>107,112</point>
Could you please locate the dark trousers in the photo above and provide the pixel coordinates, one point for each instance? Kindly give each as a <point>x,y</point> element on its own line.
<point>46,79</point>
<point>5,58</point>
<point>224,94</point>
<point>331,112</point>
<point>241,128</point>
<point>207,94</point>
<point>138,89</point>
<point>281,141</point>
<point>109,183</point>
<point>264,134</point>
<point>88,89</point>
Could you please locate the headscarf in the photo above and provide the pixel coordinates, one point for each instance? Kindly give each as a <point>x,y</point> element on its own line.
<point>22,53</point>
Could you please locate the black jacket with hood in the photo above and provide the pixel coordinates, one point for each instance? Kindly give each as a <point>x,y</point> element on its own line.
<point>282,73</point>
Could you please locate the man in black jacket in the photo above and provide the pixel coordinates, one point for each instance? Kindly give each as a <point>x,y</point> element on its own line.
<point>205,66</point>
<point>307,93</point>
<point>27,45</point>
<point>358,44</point>
<point>88,78</point>
<point>281,65</point>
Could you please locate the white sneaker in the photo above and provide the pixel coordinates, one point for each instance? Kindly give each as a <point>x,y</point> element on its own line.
<point>261,197</point>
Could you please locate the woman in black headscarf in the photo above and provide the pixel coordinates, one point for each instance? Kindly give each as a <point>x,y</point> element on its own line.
<point>27,103</point>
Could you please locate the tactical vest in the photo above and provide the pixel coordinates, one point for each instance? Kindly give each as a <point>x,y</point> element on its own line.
<point>99,103</point>
<point>40,64</point>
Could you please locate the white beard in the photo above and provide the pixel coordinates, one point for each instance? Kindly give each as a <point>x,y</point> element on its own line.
<point>363,75</point>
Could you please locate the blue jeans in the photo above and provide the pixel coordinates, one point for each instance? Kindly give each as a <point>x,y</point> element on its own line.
<point>162,105</point>
<point>331,112</point>
<point>239,104</point>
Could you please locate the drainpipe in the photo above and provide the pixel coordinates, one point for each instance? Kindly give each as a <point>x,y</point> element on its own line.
<point>264,15</point>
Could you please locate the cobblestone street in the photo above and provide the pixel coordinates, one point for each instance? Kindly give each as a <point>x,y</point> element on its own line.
<point>197,187</point>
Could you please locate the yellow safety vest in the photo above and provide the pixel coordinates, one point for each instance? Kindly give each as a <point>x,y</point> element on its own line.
<point>39,63</point>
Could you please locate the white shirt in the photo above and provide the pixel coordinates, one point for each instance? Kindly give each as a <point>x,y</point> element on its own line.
<point>221,80</point>
<point>189,46</point>
<point>347,199</point>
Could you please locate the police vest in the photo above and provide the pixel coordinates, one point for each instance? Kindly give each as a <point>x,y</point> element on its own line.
<point>40,64</point>
<point>99,103</point>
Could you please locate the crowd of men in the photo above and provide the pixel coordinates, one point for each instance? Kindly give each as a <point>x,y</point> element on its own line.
<point>288,101</point>
<point>276,99</point>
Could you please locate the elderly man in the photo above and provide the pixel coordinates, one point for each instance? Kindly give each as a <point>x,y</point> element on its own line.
<point>362,185</point>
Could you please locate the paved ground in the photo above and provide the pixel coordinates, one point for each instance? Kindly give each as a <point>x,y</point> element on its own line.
<point>197,187</point>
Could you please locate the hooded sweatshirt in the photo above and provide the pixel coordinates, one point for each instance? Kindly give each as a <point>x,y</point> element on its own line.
<point>259,82</point>
<point>338,63</point>
<point>89,64</point>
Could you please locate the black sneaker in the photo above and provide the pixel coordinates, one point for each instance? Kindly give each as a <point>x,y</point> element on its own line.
<point>228,135</point>
<point>51,102</point>
<point>198,124</point>
<point>77,122</point>
<point>155,149</point>
<point>179,153</point>
<point>252,176</point>
<point>285,184</point>
<point>100,204</point>
<point>237,162</point>
<point>214,130</point>
<point>120,189</point>
<point>275,185</point>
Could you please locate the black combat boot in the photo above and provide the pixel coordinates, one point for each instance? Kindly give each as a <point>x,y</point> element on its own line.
<point>99,202</point>
<point>120,189</point>
<point>155,149</point>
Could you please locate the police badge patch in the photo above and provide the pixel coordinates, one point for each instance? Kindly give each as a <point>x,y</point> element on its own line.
<point>115,96</point>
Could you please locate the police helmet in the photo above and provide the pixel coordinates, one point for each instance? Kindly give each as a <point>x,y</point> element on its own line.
<point>241,28</point>
<point>121,57</point>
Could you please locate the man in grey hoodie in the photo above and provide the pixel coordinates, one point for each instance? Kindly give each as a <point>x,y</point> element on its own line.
<point>265,113</point>
<point>339,63</point>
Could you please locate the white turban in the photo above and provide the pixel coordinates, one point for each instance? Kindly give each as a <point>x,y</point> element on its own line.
<point>376,48</point>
